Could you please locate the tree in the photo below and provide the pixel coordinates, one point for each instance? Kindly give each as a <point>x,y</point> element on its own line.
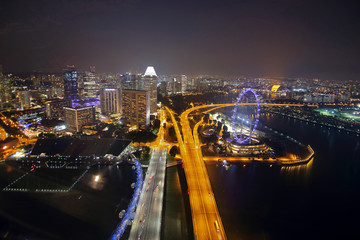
<point>141,136</point>
<point>226,134</point>
<point>225,128</point>
<point>156,123</point>
<point>174,150</point>
<point>206,118</point>
<point>218,128</point>
<point>172,132</point>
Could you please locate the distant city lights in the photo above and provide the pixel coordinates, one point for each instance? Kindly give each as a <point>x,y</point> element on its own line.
<point>97,177</point>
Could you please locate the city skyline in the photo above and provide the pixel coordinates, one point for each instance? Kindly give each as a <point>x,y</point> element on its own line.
<point>179,120</point>
<point>281,38</point>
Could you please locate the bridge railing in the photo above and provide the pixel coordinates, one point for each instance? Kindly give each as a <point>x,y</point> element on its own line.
<point>121,227</point>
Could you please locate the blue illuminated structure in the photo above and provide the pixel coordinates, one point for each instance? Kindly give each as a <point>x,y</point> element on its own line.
<point>121,227</point>
<point>70,83</point>
<point>85,102</point>
<point>245,139</point>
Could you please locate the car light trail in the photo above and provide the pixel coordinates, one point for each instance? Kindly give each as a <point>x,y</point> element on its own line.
<point>204,210</point>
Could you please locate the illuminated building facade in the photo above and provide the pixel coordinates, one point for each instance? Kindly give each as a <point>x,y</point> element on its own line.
<point>149,83</point>
<point>55,108</point>
<point>5,91</point>
<point>110,100</point>
<point>92,69</point>
<point>177,84</point>
<point>136,107</point>
<point>75,118</point>
<point>131,81</point>
<point>90,84</point>
<point>70,83</point>
<point>24,98</point>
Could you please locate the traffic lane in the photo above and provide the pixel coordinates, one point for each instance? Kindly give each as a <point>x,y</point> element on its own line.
<point>145,198</point>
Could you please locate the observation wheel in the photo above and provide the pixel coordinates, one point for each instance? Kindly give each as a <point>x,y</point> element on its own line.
<point>244,138</point>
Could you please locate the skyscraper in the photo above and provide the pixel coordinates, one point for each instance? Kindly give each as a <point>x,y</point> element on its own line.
<point>149,83</point>
<point>55,108</point>
<point>76,118</point>
<point>1,87</point>
<point>70,83</point>
<point>131,81</point>
<point>92,69</point>
<point>24,97</point>
<point>90,85</point>
<point>136,107</point>
<point>178,84</point>
<point>110,100</point>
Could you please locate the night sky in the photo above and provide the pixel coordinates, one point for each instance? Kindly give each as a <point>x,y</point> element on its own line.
<point>254,38</point>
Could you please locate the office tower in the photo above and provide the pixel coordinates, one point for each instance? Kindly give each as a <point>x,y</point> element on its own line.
<point>136,107</point>
<point>90,85</point>
<point>110,100</point>
<point>70,83</point>
<point>183,81</point>
<point>6,94</point>
<point>175,85</point>
<point>55,108</point>
<point>162,88</point>
<point>56,91</point>
<point>24,99</point>
<point>131,81</point>
<point>36,80</point>
<point>149,83</point>
<point>76,118</point>
<point>1,87</point>
<point>92,69</point>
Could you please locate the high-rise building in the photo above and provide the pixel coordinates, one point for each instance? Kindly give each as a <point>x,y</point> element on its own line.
<point>92,69</point>
<point>136,107</point>
<point>131,81</point>
<point>174,86</point>
<point>110,100</point>
<point>90,85</point>
<point>6,94</point>
<point>55,108</point>
<point>183,80</point>
<point>24,98</point>
<point>1,87</point>
<point>76,118</point>
<point>70,83</point>
<point>149,83</point>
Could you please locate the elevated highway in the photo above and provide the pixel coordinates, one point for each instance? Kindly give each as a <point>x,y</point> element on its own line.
<point>205,215</point>
<point>147,220</point>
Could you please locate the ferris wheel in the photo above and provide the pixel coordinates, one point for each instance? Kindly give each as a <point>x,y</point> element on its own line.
<point>245,138</point>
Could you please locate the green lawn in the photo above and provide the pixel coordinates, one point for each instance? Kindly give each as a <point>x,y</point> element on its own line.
<point>344,114</point>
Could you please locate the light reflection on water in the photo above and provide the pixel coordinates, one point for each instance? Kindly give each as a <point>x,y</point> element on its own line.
<point>303,170</point>
<point>88,211</point>
<point>323,194</point>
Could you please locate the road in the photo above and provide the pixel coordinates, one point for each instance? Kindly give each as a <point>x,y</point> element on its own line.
<point>203,206</point>
<point>204,212</point>
<point>147,221</point>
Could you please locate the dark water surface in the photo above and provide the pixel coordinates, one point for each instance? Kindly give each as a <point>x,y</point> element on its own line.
<point>88,211</point>
<point>318,201</point>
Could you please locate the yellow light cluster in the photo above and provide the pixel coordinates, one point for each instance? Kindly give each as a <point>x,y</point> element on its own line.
<point>275,88</point>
